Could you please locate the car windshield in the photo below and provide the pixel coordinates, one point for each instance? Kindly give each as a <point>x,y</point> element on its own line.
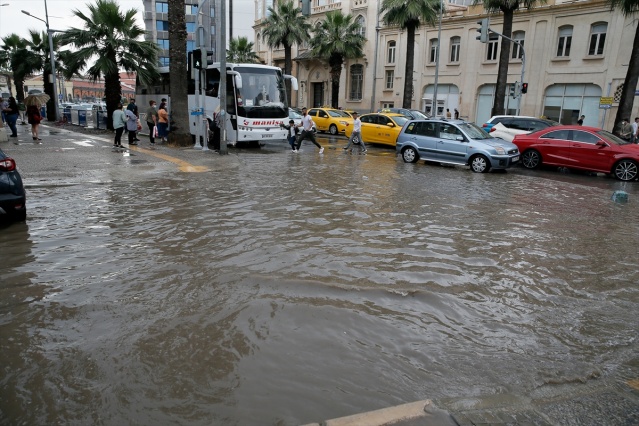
<point>294,115</point>
<point>337,113</point>
<point>400,120</point>
<point>612,138</point>
<point>473,131</point>
<point>419,115</point>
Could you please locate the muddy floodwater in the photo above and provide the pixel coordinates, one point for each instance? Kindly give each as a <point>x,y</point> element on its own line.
<point>296,288</point>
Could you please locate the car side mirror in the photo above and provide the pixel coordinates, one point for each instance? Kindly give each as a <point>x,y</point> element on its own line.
<point>601,143</point>
<point>390,124</point>
<point>459,138</point>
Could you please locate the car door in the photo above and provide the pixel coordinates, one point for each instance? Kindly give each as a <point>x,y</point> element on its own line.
<point>423,135</point>
<point>588,155</point>
<point>322,121</point>
<point>386,132</point>
<point>369,125</point>
<point>451,145</point>
<point>554,147</point>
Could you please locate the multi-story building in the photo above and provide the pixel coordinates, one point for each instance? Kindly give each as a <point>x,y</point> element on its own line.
<point>156,22</point>
<point>575,53</point>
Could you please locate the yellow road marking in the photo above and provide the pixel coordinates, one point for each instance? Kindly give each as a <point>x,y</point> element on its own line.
<point>183,165</point>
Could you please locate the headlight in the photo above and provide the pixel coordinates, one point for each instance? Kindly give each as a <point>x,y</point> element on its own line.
<point>500,150</point>
<point>343,123</point>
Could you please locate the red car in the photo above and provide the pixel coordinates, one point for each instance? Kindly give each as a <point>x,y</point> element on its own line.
<point>580,147</point>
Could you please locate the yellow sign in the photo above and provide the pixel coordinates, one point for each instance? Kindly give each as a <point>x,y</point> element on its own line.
<point>605,100</point>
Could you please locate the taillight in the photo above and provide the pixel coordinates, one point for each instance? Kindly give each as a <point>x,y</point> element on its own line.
<point>492,129</point>
<point>484,125</point>
<point>7,165</point>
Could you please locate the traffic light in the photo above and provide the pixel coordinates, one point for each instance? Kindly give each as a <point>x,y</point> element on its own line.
<point>524,87</point>
<point>205,57</point>
<point>512,90</point>
<point>483,30</point>
<point>196,59</point>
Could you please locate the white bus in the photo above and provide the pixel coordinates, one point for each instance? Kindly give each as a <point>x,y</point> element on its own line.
<point>256,100</point>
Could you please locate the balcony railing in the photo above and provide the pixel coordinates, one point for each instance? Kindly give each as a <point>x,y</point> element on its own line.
<point>323,6</point>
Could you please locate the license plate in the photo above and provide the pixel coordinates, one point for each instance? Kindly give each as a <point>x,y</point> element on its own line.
<point>515,159</point>
<point>267,135</point>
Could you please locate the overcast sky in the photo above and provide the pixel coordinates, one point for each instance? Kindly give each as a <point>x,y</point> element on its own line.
<point>61,15</point>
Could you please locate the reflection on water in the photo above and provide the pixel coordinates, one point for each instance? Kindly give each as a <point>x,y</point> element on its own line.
<point>305,287</point>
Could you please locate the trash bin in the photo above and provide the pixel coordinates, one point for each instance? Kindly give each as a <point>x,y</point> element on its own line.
<point>82,117</point>
<point>67,114</point>
<point>43,111</point>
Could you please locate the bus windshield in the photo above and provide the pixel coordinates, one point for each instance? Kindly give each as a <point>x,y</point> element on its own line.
<point>263,94</point>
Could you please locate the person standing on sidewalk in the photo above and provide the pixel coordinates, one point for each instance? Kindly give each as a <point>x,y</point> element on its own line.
<point>307,131</point>
<point>152,121</point>
<point>131,126</point>
<point>163,123</point>
<point>11,113</point>
<point>34,118</point>
<point>134,108</point>
<point>357,134</point>
<point>119,122</point>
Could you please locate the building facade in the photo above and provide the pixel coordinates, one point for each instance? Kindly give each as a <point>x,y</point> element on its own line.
<point>575,53</point>
<point>156,23</point>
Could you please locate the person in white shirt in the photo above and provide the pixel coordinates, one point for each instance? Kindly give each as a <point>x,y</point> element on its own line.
<point>307,131</point>
<point>357,133</point>
<point>635,128</point>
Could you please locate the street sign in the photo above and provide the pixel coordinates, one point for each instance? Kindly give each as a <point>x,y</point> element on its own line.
<point>60,97</point>
<point>605,102</point>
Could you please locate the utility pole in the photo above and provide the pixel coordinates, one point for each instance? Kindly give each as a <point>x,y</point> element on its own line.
<point>222,91</point>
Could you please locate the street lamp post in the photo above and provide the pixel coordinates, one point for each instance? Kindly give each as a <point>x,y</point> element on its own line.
<point>51,55</point>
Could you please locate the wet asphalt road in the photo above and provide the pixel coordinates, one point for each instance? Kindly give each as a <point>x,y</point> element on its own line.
<point>265,287</point>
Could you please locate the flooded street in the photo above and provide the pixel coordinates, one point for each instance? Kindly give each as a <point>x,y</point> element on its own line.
<point>293,288</point>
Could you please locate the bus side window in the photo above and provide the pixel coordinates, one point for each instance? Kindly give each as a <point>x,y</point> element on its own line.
<point>212,89</point>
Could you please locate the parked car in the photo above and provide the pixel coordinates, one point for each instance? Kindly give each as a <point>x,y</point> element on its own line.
<point>413,114</point>
<point>519,122</point>
<point>382,128</point>
<point>454,142</point>
<point>296,116</point>
<point>580,147</point>
<point>331,120</point>
<point>502,132</point>
<point>12,195</point>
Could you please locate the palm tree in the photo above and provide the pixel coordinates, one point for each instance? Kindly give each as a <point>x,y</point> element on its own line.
<point>335,39</point>
<point>410,15</point>
<point>20,59</point>
<point>628,8</point>
<point>178,86</point>
<point>508,8</point>
<point>285,27</point>
<point>38,44</point>
<point>111,38</point>
<point>241,51</point>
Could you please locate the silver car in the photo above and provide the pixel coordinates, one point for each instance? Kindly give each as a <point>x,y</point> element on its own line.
<point>454,142</point>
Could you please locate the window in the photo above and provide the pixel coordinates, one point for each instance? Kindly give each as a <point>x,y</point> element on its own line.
<point>557,134</point>
<point>565,40</point>
<point>161,7</point>
<point>357,78</point>
<point>388,105</point>
<point>448,131</point>
<point>190,27</point>
<point>164,61</point>
<point>190,45</point>
<point>163,44</point>
<point>518,50</point>
<point>493,46</point>
<point>585,137</point>
<point>191,9</point>
<point>455,43</point>
<point>391,52</point>
<point>434,50</point>
<point>162,25</point>
<point>597,38</point>
<point>390,76</point>
<point>362,25</point>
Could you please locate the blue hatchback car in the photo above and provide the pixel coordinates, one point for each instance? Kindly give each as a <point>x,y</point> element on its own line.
<point>12,195</point>
<point>454,142</point>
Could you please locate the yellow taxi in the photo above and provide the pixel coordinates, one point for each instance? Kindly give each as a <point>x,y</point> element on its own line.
<point>331,120</point>
<point>381,127</point>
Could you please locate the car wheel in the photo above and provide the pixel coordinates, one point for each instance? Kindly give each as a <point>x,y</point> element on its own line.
<point>332,129</point>
<point>409,155</point>
<point>626,170</point>
<point>531,159</point>
<point>479,164</point>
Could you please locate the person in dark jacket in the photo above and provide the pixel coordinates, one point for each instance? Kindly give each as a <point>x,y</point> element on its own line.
<point>11,113</point>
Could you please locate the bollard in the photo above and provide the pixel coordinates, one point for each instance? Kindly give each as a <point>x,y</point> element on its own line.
<point>620,197</point>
